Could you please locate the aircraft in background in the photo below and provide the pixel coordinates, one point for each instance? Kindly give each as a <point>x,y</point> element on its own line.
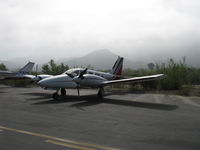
<point>78,77</point>
<point>36,78</point>
<point>23,73</point>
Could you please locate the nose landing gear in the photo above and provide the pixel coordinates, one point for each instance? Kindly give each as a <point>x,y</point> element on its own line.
<point>56,96</point>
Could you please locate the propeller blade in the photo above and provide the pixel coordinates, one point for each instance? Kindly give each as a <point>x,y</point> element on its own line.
<point>78,91</point>
<point>70,75</point>
<point>82,73</point>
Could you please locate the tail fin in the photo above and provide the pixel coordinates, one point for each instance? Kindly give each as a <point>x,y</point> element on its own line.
<point>27,68</point>
<point>117,68</point>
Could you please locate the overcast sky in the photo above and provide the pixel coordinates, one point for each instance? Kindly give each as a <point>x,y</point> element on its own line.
<point>66,28</point>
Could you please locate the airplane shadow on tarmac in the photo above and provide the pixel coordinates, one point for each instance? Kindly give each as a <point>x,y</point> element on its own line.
<point>3,88</point>
<point>90,100</point>
<point>40,96</point>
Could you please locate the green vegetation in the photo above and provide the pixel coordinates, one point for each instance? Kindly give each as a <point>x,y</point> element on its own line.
<point>53,69</point>
<point>180,77</point>
<point>3,67</point>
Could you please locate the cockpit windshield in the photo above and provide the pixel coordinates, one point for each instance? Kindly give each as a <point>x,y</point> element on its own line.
<point>74,71</point>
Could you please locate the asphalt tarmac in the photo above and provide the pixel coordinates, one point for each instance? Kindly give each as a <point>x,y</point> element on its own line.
<point>30,119</point>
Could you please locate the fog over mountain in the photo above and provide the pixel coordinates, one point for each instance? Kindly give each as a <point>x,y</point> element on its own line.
<point>99,59</point>
<point>141,31</point>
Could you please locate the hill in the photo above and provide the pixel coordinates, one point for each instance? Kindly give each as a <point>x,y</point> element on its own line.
<point>100,59</point>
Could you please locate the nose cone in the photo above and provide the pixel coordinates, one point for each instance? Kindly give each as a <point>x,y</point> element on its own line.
<point>44,83</point>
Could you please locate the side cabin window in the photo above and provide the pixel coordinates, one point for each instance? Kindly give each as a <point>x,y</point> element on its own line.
<point>74,72</point>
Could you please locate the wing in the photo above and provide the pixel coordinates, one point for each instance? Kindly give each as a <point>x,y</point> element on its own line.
<point>135,79</point>
<point>28,76</point>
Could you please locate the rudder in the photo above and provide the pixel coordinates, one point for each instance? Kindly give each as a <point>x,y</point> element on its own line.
<point>27,68</point>
<point>117,67</point>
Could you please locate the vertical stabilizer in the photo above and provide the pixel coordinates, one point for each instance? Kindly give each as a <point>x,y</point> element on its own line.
<point>27,68</point>
<point>117,67</point>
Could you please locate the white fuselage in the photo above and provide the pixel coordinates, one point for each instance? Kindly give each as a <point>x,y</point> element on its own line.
<point>65,81</point>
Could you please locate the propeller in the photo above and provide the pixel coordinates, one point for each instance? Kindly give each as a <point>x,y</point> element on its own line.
<point>36,78</point>
<point>78,90</point>
<point>70,75</point>
<point>82,73</point>
<point>78,79</point>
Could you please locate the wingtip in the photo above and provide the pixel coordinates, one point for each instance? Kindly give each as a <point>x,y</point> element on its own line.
<point>163,76</point>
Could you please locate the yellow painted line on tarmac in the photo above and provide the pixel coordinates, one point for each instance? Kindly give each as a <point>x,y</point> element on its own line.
<point>69,145</point>
<point>51,138</point>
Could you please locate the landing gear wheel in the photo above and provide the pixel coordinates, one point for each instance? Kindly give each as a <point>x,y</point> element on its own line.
<point>63,92</point>
<point>55,96</point>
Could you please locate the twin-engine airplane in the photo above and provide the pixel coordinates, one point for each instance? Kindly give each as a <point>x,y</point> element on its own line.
<point>78,77</point>
<point>23,73</point>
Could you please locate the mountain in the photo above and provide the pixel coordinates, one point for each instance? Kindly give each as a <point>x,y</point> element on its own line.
<point>100,59</point>
<point>16,63</point>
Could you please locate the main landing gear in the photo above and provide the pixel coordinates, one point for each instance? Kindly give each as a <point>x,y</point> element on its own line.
<point>63,92</point>
<point>100,93</point>
<point>56,95</point>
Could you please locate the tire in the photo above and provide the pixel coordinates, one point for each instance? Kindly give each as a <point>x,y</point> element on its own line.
<point>63,92</point>
<point>55,96</point>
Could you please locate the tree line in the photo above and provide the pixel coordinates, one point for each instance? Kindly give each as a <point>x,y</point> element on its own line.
<point>179,74</point>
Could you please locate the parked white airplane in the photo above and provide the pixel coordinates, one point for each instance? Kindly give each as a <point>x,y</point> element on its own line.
<point>114,74</point>
<point>78,77</point>
<point>21,74</point>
